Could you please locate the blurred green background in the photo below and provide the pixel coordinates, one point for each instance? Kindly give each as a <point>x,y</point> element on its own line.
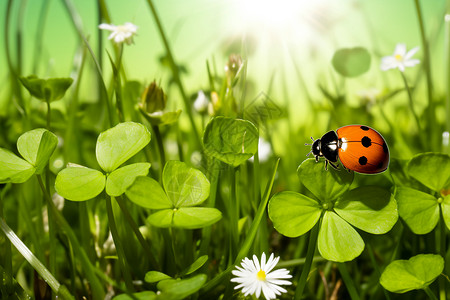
<point>272,36</point>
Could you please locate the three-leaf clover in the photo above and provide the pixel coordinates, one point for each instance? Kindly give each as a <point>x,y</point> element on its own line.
<point>114,147</point>
<point>420,210</point>
<point>36,147</point>
<point>338,209</point>
<point>184,188</point>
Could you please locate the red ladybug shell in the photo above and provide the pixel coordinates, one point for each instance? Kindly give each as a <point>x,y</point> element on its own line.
<point>362,149</point>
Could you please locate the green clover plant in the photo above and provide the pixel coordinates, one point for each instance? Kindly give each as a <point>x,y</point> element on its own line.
<point>351,62</point>
<point>369,208</point>
<point>184,189</point>
<point>36,147</point>
<point>231,141</point>
<point>114,147</point>
<point>416,273</point>
<point>420,210</point>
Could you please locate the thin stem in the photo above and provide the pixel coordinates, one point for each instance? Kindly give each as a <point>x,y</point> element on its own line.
<point>447,72</point>
<point>429,293</point>
<point>159,141</point>
<point>118,243</point>
<point>313,235</point>
<point>376,267</point>
<point>411,103</point>
<point>441,244</point>
<point>137,232</point>
<point>48,115</point>
<point>175,71</point>
<point>96,287</point>
<point>351,288</point>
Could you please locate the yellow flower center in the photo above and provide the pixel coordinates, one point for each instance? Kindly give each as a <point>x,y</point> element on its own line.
<point>398,57</point>
<point>261,275</point>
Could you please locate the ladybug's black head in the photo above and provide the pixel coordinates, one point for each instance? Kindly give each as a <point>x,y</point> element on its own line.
<point>315,149</point>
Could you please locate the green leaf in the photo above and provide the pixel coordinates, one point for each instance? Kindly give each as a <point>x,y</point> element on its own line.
<point>445,206</point>
<point>195,217</point>
<point>147,192</point>
<point>46,89</point>
<point>197,264</point>
<point>13,168</point>
<point>116,145</point>
<point>293,214</point>
<point>184,186</point>
<point>79,183</point>
<point>147,295</point>
<point>155,276</point>
<point>328,185</point>
<point>431,169</point>
<point>418,209</point>
<point>370,208</point>
<point>232,141</point>
<point>177,289</point>
<point>338,241</point>
<point>162,218</point>
<point>351,62</point>
<point>120,179</point>
<point>401,276</point>
<point>36,146</point>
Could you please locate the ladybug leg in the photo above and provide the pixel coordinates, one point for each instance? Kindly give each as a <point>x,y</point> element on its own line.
<point>336,167</point>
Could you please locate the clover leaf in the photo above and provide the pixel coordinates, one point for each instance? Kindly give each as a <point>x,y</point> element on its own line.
<point>419,209</point>
<point>48,90</point>
<point>36,146</point>
<point>232,141</point>
<point>114,147</point>
<point>184,188</point>
<point>351,62</point>
<point>401,276</point>
<point>369,208</point>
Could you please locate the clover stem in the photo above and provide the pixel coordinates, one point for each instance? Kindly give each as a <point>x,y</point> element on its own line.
<point>159,141</point>
<point>313,235</point>
<point>376,267</point>
<point>348,281</point>
<point>96,287</point>
<point>118,243</point>
<point>137,232</point>
<point>48,114</point>
<point>441,243</point>
<point>430,293</point>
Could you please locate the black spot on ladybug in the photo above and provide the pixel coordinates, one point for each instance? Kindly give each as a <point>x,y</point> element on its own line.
<point>380,165</point>
<point>365,128</point>
<point>362,160</point>
<point>366,141</point>
<point>385,148</point>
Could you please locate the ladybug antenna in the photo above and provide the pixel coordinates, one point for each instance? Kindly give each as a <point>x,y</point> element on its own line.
<point>306,144</point>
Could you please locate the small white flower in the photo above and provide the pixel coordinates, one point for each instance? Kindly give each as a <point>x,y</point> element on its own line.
<point>120,33</point>
<point>400,59</point>
<point>254,277</point>
<point>201,103</point>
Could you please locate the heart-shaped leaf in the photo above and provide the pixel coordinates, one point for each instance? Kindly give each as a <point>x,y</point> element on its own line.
<point>177,289</point>
<point>116,145</point>
<point>370,208</point>
<point>338,241</point>
<point>120,179</point>
<point>147,192</point>
<point>293,214</point>
<point>328,185</point>
<point>46,89</point>
<point>155,276</point>
<point>184,186</point>
<point>232,141</point>
<point>13,168</point>
<point>418,209</point>
<point>195,217</point>
<point>162,218</point>
<point>36,146</point>
<point>197,264</point>
<point>79,183</point>
<point>401,276</point>
<point>351,62</point>
<point>431,169</point>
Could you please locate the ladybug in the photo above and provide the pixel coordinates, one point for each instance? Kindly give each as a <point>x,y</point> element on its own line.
<point>358,147</point>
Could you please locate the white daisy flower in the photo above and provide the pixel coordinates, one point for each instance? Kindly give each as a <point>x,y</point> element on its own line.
<point>254,277</point>
<point>201,103</point>
<point>120,33</point>
<point>400,59</point>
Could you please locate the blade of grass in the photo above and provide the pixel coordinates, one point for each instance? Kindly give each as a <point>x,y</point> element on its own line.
<point>248,242</point>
